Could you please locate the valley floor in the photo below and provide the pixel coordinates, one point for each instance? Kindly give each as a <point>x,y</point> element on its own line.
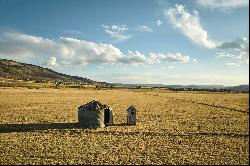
<point>37,126</point>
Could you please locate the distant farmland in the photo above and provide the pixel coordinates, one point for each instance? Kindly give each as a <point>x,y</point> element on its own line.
<point>37,127</point>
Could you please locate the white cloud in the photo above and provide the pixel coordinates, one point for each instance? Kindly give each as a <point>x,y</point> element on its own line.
<point>25,46</point>
<point>195,60</point>
<point>119,28</point>
<point>223,4</point>
<point>134,57</point>
<point>241,54</point>
<point>144,28</point>
<point>233,65</point>
<point>189,25</point>
<point>51,62</point>
<point>117,35</point>
<point>174,57</point>
<point>117,32</point>
<point>169,57</point>
<point>223,55</point>
<point>244,54</point>
<point>153,59</point>
<point>138,58</point>
<point>70,51</point>
<point>105,26</point>
<point>158,22</point>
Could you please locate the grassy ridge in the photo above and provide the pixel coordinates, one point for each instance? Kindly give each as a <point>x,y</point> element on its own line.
<point>20,71</point>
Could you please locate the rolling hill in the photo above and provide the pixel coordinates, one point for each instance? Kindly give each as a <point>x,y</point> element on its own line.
<point>10,69</point>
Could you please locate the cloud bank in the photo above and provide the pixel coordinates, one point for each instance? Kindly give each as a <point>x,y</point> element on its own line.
<point>70,51</point>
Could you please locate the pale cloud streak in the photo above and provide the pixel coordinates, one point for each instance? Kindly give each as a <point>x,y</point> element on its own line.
<point>189,24</point>
<point>227,55</point>
<point>73,32</point>
<point>144,28</point>
<point>119,28</point>
<point>223,4</point>
<point>233,65</point>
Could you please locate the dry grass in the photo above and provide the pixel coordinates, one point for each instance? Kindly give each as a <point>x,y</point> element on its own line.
<point>172,128</point>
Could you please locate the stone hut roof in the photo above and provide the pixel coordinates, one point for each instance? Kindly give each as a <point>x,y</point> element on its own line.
<point>93,106</point>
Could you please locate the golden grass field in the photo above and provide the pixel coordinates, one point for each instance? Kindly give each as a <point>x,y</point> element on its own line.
<point>172,127</point>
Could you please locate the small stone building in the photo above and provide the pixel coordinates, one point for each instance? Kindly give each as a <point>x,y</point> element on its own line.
<point>94,114</point>
<point>131,116</point>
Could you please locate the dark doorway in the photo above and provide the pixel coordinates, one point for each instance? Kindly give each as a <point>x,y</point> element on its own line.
<point>106,117</point>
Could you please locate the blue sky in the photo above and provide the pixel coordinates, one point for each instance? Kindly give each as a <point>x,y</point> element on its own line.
<point>142,41</point>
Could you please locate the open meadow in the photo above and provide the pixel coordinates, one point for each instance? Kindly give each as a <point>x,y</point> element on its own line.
<point>37,126</point>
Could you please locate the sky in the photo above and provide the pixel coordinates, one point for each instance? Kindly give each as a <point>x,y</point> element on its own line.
<point>201,42</point>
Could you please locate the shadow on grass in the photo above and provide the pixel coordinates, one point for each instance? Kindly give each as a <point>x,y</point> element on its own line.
<point>121,124</point>
<point>8,128</point>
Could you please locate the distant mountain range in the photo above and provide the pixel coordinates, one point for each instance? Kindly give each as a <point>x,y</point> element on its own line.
<point>10,69</point>
<point>240,88</point>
